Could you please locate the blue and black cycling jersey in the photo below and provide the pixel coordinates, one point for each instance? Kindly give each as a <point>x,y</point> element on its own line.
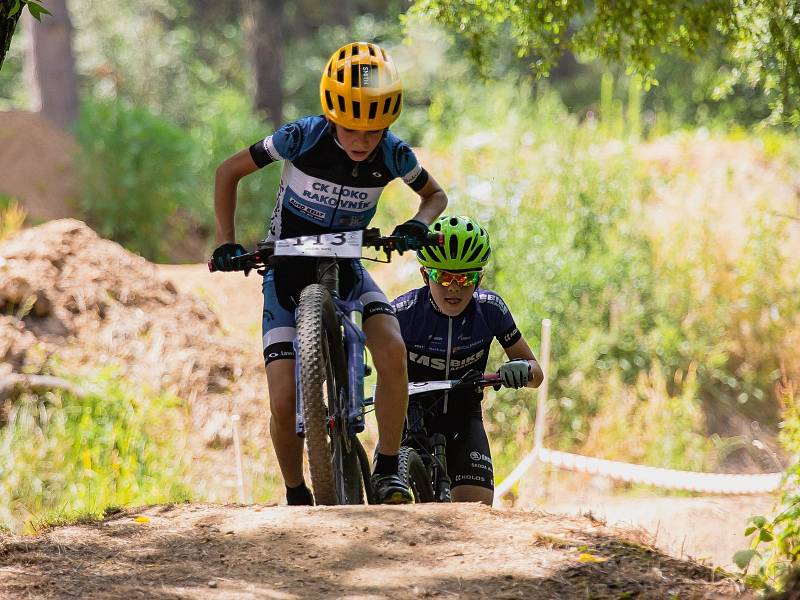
<point>442,347</point>
<point>323,190</point>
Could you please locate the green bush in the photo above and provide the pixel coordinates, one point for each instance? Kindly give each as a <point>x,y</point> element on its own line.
<point>227,125</point>
<point>658,317</point>
<point>67,455</point>
<point>136,170</point>
<point>775,544</point>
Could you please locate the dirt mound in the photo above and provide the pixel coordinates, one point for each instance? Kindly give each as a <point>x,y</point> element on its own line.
<point>42,174</point>
<point>67,293</point>
<point>443,551</point>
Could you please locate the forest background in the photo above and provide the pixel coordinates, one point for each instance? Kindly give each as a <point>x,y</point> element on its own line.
<point>638,174</point>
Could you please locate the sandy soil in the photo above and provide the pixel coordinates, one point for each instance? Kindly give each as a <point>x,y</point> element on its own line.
<point>444,551</point>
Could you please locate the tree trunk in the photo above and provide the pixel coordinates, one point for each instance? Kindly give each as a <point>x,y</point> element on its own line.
<point>264,22</point>
<point>50,66</point>
<point>7,27</point>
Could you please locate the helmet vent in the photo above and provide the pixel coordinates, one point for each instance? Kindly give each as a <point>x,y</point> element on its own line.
<point>371,49</point>
<point>437,226</point>
<point>453,221</point>
<point>328,100</point>
<point>386,104</point>
<point>468,244</point>
<point>474,254</point>
<point>354,78</point>
<point>356,109</point>
<point>452,246</point>
<point>340,75</point>
<point>341,54</point>
<point>355,50</point>
<point>397,104</point>
<point>469,226</point>
<point>341,103</point>
<point>383,53</point>
<point>373,110</point>
<point>330,68</point>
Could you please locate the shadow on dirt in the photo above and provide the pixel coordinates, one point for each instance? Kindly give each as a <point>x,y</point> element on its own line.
<point>224,552</point>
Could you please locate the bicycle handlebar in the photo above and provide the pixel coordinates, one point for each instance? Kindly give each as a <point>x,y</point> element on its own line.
<point>265,249</point>
<point>475,381</point>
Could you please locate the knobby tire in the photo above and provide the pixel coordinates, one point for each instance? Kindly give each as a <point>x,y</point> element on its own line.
<point>333,459</point>
<point>413,470</point>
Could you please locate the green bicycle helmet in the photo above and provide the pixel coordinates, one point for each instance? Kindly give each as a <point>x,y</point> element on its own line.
<point>466,245</point>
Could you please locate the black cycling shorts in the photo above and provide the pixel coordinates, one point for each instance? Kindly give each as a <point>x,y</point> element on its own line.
<point>469,460</point>
<point>282,286</point>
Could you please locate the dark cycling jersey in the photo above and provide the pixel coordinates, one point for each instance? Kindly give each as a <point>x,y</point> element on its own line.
<point>442,347</point>
<point>322,190</point>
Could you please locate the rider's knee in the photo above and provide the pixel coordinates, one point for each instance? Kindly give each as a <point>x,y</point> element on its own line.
<point>282,407</point>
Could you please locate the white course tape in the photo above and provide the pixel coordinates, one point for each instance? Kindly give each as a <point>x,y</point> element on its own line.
<point>712,483</point>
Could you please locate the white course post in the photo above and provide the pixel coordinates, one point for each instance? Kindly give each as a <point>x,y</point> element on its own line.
<point>541,403</point>
<point>237,448</point>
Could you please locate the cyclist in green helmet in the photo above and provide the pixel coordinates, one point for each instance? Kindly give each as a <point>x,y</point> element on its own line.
<point>448,326</point>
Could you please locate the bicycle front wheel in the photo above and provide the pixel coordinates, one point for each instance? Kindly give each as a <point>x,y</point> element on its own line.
<point>413,470</point>
<point>332,453</point>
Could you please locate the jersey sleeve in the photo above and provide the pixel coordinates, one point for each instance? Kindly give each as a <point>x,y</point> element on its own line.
<point>501,320</point>
<point>403,163</point>
<point>288,142</point>
<point>403,309</point>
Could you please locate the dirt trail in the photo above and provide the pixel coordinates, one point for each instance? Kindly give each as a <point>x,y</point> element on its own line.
<point>456,551</point>
<point>707,528</point>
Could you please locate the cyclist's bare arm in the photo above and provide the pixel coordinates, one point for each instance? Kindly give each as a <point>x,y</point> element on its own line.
<point>227,178</point>
<point>432,201</point>
<point>520,349</point>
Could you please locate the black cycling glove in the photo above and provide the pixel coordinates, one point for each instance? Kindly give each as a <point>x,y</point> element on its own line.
<point>414,229</point>
<point>222,258</point>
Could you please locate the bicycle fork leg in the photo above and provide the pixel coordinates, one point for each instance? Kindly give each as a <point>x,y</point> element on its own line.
<point>299,420</point>
<point>442,479</point>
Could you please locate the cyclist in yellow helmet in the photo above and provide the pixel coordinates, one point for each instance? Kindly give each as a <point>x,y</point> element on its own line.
<point>335,167</point>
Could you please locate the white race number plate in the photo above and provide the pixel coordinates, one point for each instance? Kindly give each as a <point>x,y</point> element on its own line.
<point>346,244</point>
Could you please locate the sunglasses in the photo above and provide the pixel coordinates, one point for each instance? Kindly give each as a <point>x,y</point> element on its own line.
<point>446,278</point>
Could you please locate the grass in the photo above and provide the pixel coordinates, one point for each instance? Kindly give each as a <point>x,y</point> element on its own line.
<point>67,459</point>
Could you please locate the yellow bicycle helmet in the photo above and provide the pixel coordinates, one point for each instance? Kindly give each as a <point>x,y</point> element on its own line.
<point>360,87</point>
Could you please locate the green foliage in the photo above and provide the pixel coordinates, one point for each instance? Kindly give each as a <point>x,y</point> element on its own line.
<point>226,125</point>
<point>64,455</point>
<point>136,172</point>
<point>775,543</point>
<point>649,317</point>
<point>762,37</point>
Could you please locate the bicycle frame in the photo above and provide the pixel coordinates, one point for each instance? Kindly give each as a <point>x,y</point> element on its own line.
<point>432,448</point>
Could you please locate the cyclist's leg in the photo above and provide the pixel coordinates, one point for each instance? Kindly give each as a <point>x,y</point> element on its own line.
<point>385,343</point>
<point>278,331</point>
<point>469,462</point>
<point>386,346</point>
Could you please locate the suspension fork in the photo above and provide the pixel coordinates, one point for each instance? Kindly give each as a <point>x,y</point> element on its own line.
<point>441,479</point>
<point>328,277</point>
<point>354,338</point>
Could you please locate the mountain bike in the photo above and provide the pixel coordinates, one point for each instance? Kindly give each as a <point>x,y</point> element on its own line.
<point>329,348</point>
<point>423,457</point>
